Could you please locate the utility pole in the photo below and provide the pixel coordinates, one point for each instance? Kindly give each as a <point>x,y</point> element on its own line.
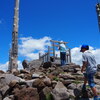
<point>98,12</point>
<point>13,56</point>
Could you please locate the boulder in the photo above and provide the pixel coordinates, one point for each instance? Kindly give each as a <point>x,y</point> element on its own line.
<point>39,84</point>
<point>97,75</point>
<point>46,94</point>
<point>26,94</point>
<point>84,94</point>
<point>2,72</point>
<point>13,83</point>
<point>98,67</point>
<point>60,92</point>
<point>27,76</point>
<point>38,74</point>
<point>35,64</point>
<point>67,82</point>
<point>15,72</point>
<point>67,76</point>
<point>71,86</point>
<point>71,94</point>
<point>24,71</point>
<point>7,98</point>
<point>30,82</point>
<point>11,97</point>
<point>4,89</point>
<point>47,64</point>
<point>1,96</point>
<point>25,64</point>
<point>47,81</point>
<point>5,79</point>
<point>71,68</point>
<point>57,71</point>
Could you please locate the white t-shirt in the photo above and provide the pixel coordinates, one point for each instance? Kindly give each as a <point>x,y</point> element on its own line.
<point>62,48</point>
<point>91,62</point>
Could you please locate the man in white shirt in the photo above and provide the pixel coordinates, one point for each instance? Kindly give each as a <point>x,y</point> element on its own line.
<point>89,65</point>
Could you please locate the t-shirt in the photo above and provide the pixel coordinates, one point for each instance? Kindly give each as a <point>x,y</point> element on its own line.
<point>91,62</point>
<point>62,48</point>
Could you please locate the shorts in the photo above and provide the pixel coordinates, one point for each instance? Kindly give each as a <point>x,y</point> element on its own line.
<point>90,78</point>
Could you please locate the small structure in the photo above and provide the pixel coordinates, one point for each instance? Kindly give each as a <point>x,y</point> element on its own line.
<point>50,55</point>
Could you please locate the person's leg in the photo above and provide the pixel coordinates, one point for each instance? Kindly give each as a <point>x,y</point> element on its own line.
<point>94,90</point>
<point>61,58</point>
<point>85,82</point>
<point>92,84</point>
<point>64,58</point>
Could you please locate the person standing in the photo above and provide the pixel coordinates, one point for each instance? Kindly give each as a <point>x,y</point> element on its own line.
<point>89,69</point>
<point>62,48</point>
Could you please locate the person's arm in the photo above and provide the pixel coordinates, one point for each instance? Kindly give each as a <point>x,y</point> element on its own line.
<point>84,59</point>
<point>84,66</point>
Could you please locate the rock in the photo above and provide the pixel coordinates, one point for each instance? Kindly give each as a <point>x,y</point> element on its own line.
<point>84,94</point>
<point>47,64</point>
<point>71,86</point>
<point>35,64</point>
<point>21,75</point>
<point>27,76</point>
<point>67,82</point>
<point>39,84</point>
<point>98,89</point>
<point>24,71</point>
<point>15,72</point>
<point>98,67</point>
<point>26,94</point>
<point>38,75</point>
<point>4,89</point>
<point>57,71</point>
<point>13,83</point>
<point>71,68</point>
<point>50,76</point>
<point>71,94</point>
<point>47,81</point>
<point>1,97</point>
<point>7,98</point>
<point>77,92</point>
<point>7,78</point>
<point>30,82</point>
<point>60,92</point>
<point>25,64</point>
<point>2,72</point>
<point>67,76</point>
<point>11,97</point>
<point>97,81</point>
<point>46,94</point>
<point>97,75</point>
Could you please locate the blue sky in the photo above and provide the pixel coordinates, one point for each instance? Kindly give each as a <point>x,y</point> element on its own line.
<point>73,21</point>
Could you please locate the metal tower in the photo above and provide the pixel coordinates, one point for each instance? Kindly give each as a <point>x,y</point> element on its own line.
<point>98,12</point>
<point>13,54</point>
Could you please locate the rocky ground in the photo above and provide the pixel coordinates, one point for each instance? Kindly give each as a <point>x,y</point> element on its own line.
<point>45,81</point>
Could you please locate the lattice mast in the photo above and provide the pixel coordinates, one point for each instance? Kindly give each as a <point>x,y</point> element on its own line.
<point>14,50</point>
<point>98,12</point>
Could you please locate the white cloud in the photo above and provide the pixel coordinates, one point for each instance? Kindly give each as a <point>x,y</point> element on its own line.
<point>77,55</point>
<point>30,47</point>
<point>4,67</point>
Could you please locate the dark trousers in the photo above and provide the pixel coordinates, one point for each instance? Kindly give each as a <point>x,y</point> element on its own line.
<point>63,58</point>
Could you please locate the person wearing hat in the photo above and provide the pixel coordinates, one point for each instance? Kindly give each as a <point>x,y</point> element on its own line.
<point>62,48</point>
<point>89,69</point>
